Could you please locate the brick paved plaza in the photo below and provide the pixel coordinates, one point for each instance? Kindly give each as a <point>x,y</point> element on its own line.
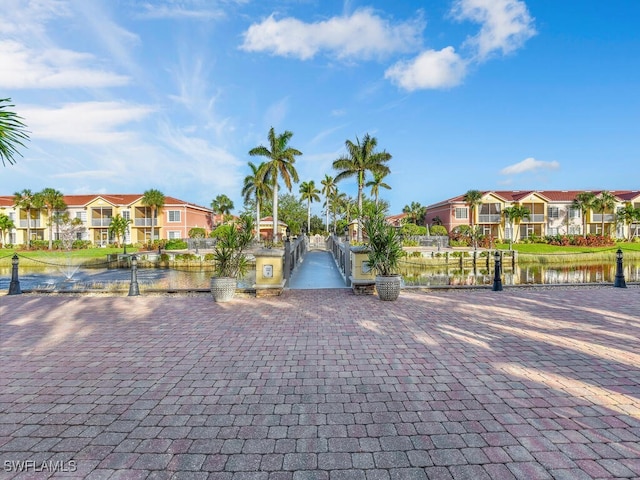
<point>322,384</point>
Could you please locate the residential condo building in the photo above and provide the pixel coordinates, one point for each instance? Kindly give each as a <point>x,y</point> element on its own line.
<point>551,212</point>
<point>95,212</point>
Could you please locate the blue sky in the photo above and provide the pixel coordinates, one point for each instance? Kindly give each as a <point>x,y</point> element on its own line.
<point>122,96</point>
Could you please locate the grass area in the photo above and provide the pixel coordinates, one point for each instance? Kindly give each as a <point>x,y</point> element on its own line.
<point>544,254</point>
<point>78,257</point>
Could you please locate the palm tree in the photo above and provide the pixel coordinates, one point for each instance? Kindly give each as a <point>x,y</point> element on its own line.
<point>12,132</point>
<point>222,205</point>
<point>328,189</point>
<point>376,184</point>
<point>337,199</point>
<point>628,215</point>
<point>53,200</point>
<point>6,225</point>
<point>473,198</point>
<point>26,200</point>
<point>118,227</point>
<point>280,161</point>
<point>606,201</point>
<point>584,202</point>
<point>309,192</point>
<point>258,187</point>
<point>415,212</point>
<point>514,215</point>
<point>154,199</point>
<point>360,159</point>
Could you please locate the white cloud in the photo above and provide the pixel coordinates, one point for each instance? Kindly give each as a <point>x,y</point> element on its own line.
<point>362,35</point>
<point>430,70</point>
<point>506,24</point>
<point>23,67</point>
<point>173,11</point>
<point>529,165</point>
<point>83,123</point>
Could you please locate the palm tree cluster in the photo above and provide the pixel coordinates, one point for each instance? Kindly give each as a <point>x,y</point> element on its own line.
<point>31,202</point>
<point>278,166</point>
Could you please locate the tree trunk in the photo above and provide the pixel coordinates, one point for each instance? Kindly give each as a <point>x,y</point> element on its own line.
<point>275,212</point>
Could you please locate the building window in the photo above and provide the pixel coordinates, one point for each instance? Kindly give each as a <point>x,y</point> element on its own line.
<point>462,213</point>
<point>554,212</point>
<point>126,214</point>
<point>174,235</point>
<point>82,216</point>
<point>574,212</point>
<point>575,229</point>
<point>553,231</point>
<point>174,215</point>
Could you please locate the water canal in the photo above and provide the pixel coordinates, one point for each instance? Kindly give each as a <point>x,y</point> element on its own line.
<point>49,278</point>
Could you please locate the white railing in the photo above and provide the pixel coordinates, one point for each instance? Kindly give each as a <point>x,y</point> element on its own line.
<point>489,218</point>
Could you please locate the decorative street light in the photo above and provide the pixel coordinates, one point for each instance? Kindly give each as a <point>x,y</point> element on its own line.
<point>619,280</point>
<point>14,285</point>
<point>497,279</point>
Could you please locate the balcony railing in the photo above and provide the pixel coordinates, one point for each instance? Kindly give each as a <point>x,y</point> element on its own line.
<point>32,224</point>
<point>100,222</point>
<point>489,218</point>
<point>145,222</point>
<point>608,217</point>
<point>534,218</point>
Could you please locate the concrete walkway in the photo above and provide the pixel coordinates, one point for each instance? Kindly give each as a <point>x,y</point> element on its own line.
<point>318,270</point>
<point>323,384</point>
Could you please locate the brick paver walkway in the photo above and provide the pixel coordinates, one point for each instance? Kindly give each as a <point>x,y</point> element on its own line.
<point>322,384</point>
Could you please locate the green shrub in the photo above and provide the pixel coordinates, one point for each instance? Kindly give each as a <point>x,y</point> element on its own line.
<point>176,244</point>
<point>438,231</point>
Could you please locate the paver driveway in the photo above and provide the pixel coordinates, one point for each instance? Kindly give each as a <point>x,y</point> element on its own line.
<point>322,384</point>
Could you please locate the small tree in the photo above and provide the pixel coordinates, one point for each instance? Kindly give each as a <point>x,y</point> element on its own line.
<point>118,227</point>
<point>6,225</point>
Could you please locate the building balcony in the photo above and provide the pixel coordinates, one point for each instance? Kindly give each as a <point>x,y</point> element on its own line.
<point>100,222</point>
<point>608,217</point>
<point>535,218</point>
<point>490,218</point>
<point>32,224</point>
<point>145,222</point>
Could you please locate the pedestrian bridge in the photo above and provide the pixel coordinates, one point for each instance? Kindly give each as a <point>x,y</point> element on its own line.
<point>316,269</point>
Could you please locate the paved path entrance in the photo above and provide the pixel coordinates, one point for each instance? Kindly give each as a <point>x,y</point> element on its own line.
<point>323,384</point>
<point>318,270</point>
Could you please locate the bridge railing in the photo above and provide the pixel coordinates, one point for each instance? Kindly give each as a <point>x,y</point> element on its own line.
<point>341,252</point>
<point>294,252</point>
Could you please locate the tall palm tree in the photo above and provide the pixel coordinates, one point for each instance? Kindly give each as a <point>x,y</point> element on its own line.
<point>12,132</point>
<point>328,189</point>
<point>514,215</point>
<point>154,199</point>
<point>118,227</point>
<point>361,158</point>
<point>473,198</point>
<point>605,201</point>
<point>309,192</point>
<point>583,202</point>
<point>53,200</point>
<point>256,186</point>
<point>26,200</point>
<point>376,184</point>
<point>280,163</point>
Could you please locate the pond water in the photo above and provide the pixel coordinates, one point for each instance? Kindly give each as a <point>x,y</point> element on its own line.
<point>57,279</point>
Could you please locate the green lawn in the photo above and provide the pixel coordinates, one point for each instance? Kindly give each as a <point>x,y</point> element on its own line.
<point>88,255</point>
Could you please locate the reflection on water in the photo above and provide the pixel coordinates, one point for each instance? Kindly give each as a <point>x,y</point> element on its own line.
<point>45,278</point>
<point>520,275</point>
<point>51,278</point>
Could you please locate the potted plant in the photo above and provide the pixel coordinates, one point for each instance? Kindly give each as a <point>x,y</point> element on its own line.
<point>385,251</point>
<point>231,263</point>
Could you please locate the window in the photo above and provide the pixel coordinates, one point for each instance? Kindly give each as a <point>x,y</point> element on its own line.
<point>126,214</point>
<point>174,235</point>
<point>554,212</point>
<point>174,215</point>
<point>82,216</point>
<point>553,231</point>
<point>575,229</point>
<point>574,212</point>
<point>462,212</point>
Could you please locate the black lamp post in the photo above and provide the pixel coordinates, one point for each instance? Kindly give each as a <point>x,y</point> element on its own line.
<point>14,285</point>
<point>497,266</point>
<point>133,287</point>
<point>619,280</point>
